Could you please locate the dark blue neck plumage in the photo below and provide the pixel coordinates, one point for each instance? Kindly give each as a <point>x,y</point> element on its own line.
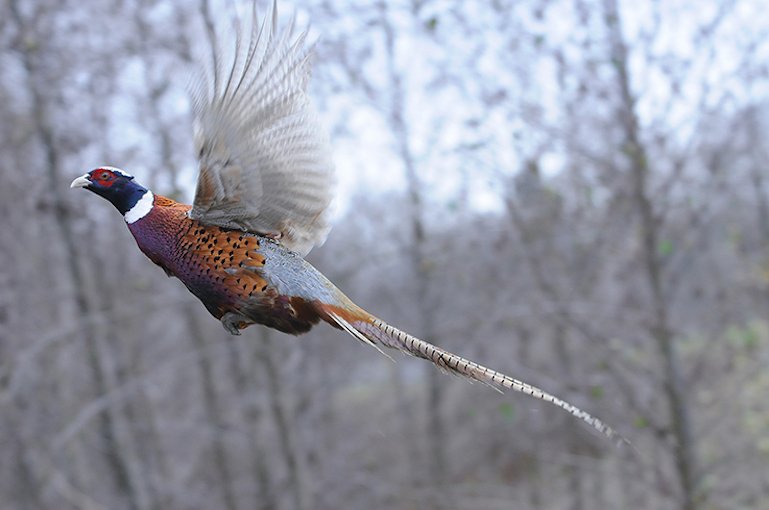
<point>124,194</point>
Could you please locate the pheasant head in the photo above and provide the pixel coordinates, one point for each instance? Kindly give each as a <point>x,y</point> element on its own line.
<point>130,198</point>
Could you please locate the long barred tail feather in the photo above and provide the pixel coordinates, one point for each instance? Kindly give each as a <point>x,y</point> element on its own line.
<point>371,331</point>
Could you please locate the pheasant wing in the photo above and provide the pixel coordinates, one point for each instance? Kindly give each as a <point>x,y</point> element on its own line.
<point>265,161</point>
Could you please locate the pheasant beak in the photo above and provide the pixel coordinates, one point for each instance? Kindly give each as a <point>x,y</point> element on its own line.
<point>80,182</point>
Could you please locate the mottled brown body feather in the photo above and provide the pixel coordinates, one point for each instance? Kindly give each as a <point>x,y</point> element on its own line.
<point>222,267</point>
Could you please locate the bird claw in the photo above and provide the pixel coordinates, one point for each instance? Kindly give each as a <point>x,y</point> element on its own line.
<point>234,322</point>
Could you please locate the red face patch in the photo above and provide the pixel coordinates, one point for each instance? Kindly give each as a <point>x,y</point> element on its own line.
<point>103,177</point>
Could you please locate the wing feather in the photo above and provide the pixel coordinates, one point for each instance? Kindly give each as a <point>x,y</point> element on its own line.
<point>265,160</point>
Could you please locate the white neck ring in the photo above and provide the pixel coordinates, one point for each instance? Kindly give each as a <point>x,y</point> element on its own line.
<point>141,208</point>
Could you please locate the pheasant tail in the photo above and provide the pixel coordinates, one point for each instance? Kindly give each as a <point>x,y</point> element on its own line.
<point>375,332</point>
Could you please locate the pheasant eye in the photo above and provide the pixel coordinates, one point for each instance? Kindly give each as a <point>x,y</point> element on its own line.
<point>104,176</point>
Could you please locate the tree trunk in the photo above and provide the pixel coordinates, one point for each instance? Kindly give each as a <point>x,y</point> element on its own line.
<point>436,430</point>
<point>286,427</point>
<point>265,497</point>
<point>37,84</point>
<point>212,410</point>
<point>660,329</point>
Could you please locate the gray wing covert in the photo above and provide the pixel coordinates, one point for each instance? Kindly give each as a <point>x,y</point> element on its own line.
<point>265,160</point>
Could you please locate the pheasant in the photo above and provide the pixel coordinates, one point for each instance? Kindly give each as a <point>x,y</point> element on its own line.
<point>260,205</point>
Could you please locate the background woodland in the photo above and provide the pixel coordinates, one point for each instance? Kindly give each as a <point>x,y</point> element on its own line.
<point>573,192</point>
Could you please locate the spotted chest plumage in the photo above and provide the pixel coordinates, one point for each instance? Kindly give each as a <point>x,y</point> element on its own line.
<point>222,267</point>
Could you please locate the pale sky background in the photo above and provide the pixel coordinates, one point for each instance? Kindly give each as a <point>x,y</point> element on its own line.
<point>366,161</point>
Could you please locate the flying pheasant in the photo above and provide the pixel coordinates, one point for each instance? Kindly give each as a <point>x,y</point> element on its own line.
<point>262,195</point>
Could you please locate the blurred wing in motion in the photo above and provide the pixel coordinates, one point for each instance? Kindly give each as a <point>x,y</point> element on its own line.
<point>265,161</point>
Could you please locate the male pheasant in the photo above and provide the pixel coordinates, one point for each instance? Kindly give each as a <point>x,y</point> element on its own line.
<point>262,194</point>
